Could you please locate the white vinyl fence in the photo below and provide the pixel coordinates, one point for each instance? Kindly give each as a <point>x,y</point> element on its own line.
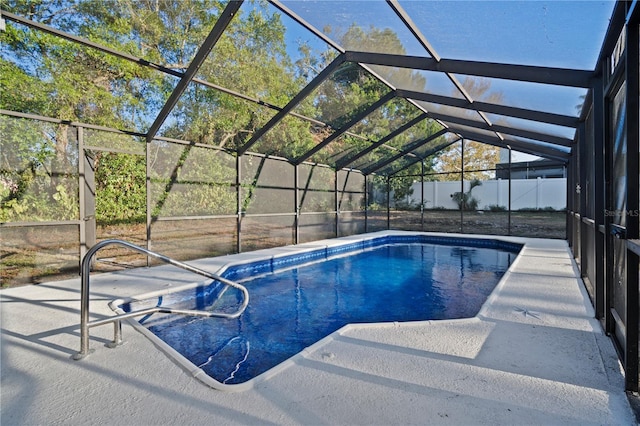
<point>525,194</point>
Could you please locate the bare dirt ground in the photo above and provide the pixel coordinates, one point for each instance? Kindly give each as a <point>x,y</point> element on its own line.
<point>47,253</point>
<point>540,224</point>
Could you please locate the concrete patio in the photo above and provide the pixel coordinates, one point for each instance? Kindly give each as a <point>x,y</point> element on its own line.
<point>534,355</point>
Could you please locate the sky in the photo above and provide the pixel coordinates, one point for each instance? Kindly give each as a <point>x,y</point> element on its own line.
<point>565,34</point>
<point>555,33</point>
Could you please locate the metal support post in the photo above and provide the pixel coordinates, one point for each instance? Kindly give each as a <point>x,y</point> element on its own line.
<point>599,195</point>
<point>296,201</point>
<point>148,163</point>
<point>336,203</point>
<point>509,197</point>
<point>238,204</point>
<point>422,195</point>
<point>388,203</point>
<point>366,204</point>
<point>632,106</point>
<point>462,203</point>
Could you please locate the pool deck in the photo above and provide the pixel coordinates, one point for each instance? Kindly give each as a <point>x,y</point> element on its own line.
<point>534,355</point>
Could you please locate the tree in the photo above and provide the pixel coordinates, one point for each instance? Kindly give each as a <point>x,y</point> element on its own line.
<point>352,89</point>
<point>75,83</point>
<point>47,75</point>
<point>33,187</point>
<point>465,200</point>
<point>477,156</point>
<point>250,58</point>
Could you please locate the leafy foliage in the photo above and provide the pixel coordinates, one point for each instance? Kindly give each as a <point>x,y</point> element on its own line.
<point>187,180</point>
<point>122,179</point>
<point>465,200</point>
<point>479,159</point>
<point>44,74</point>
<point>34,186</point>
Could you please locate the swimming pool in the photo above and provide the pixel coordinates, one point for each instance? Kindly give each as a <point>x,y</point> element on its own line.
<point>298,299</point>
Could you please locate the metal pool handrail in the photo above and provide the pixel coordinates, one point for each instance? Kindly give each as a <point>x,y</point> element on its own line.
<point>85,270</point>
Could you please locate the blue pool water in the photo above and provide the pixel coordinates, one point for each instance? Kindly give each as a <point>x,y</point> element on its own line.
<point>293,308</point>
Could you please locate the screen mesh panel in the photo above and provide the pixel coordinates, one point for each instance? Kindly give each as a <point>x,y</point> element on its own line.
<point>260,232</point>
<point>31,254</point>
<point>38,171</point>
<point>351,223</point>
<point>267,186</point>
<point>314,227</point>
<point>185,239</point>
<point>407,220</point>
<point>376,220</point>
<point>316,189</point>
<point>189,180</point>
<point>350,191</point>
<point>114,141</point>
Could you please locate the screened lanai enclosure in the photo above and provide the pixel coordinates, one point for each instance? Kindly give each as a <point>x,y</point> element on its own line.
<point>199,128</point>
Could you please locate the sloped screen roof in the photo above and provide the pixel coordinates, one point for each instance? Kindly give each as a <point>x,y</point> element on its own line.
<point>374,85</point>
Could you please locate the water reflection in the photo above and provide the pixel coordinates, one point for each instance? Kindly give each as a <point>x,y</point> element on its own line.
<point>295,308</point>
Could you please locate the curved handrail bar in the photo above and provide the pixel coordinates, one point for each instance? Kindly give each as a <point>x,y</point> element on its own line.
<point>85,270</point>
